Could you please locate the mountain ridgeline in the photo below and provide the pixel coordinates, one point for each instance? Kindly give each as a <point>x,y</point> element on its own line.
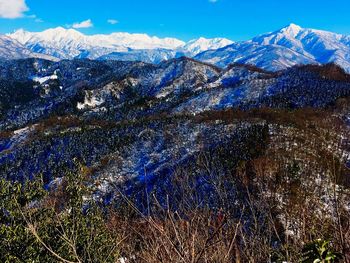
<point>35,89</point>
<point>278,50</point>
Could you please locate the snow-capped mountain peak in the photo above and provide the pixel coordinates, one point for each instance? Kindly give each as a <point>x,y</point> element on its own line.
<point>292,30</point>
<point>286,35</point>
<point>49,35</point>
<point>61,32</point>
<point>285,47</point>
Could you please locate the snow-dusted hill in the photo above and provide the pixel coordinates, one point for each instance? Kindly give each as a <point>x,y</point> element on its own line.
<point>114,92</point>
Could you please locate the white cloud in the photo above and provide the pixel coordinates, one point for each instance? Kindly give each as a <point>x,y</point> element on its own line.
<point>213,1</point>
<point>36,19</point>
<point>12,8</point>
<point>112,21</point>
<point>84,24</point>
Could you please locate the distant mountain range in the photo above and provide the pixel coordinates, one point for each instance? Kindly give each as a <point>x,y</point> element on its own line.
<point>274,51</point>
<point>68,44</point>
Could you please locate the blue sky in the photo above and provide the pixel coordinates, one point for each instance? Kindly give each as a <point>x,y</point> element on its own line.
<point>184,19</point>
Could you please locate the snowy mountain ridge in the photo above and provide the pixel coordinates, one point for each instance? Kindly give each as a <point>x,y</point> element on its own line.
<point>273,51</point>
<point>69,43</point>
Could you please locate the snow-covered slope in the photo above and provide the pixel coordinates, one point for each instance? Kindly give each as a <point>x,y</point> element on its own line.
<point>12,49</point>
<point>269,57</point>
<point>144,55</point>
<point>286,47</point>
<point>243,86</point>
<point>199,45</point>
